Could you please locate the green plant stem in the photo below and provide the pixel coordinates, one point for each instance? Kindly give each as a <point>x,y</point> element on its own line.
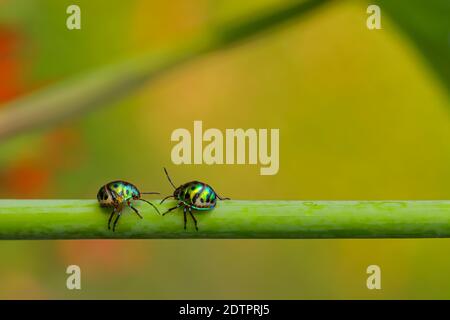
<point>84,219</point>
<point>75,96</point>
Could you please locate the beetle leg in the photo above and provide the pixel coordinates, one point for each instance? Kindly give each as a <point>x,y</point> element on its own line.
<point>176,207</point>
<point>193,218</point>
<point>110,218</point>
<point>117,209</point>
<point>115,222</point>
<point>184,214</point>
<point>134,209</point>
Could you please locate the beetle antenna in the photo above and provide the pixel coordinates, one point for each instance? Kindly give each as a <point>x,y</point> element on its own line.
<point>222,198</point>
<point>171,196</point>
<point>151,205</point>
<point>150,193</point>
<point>170,180</point>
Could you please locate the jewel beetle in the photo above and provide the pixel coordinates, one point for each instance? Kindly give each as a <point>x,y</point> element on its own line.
<point>193,195</point>
<point>118,193</point>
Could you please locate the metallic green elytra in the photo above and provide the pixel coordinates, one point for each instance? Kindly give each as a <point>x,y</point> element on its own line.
<point>193,195</point>
<point>118,193</point>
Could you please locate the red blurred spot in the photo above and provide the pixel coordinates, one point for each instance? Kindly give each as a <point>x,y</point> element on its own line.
<point>25,179</point>
<point>10,82</point>
<point>30,175</point>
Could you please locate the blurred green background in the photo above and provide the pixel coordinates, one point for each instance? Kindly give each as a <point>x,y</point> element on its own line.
<point>362,114</point>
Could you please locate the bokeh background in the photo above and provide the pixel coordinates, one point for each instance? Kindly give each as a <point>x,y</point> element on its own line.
<point>362,114</point>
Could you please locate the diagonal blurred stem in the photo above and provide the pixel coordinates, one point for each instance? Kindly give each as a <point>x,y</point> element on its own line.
<point>237,219</point>
<point>75,96</point>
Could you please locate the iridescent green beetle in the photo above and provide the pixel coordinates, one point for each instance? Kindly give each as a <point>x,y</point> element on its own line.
<point>193,195</point>
<point>118,193</point>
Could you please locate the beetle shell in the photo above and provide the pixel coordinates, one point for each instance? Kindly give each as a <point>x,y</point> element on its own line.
<point>197,195</point>
<point>116,192</point>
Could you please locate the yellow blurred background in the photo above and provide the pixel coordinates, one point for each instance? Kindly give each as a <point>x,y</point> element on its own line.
<point>362,115</point>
